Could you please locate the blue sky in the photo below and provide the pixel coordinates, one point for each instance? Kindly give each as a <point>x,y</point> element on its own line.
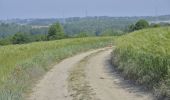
<point>79,8</point>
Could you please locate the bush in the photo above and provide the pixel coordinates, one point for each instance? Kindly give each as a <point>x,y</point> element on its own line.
<point>55,32</point>
<point>20,38</point>
<point>141,24</point>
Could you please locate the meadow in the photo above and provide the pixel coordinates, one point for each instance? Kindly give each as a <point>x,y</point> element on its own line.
<point>22,65</point>
<point>144,56</point>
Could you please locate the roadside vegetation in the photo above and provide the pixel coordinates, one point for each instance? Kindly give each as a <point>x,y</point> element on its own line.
<point>144,56</point>
<point>22,65</point>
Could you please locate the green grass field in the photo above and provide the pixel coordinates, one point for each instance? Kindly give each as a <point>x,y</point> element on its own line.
<point>144,56</point>
<point>22,65</point>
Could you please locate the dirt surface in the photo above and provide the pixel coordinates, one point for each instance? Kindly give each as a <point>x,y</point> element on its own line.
<point>53,86</point>
<point>87,76</point>
<point>78,84</point>
<point>107,84</point>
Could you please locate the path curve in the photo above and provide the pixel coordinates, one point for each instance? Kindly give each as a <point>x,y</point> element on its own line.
<point>107,84</point>
<point>53,86</point>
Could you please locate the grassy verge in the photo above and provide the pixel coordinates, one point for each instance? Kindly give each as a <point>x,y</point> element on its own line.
<point>22,65</point>
<point>144,56</point>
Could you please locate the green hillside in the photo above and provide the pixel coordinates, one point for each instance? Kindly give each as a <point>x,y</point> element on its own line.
<point>21,65</point>
<point>144,56</point>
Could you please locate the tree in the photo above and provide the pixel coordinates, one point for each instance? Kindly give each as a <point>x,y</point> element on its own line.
<point>56,31</point>
<point>20,38</point>
<point>141,24</point>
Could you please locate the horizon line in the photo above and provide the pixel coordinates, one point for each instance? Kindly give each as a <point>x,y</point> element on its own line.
<point>84,17</point>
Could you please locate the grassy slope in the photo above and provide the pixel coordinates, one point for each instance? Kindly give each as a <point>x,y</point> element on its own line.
<point>144,56</point>
<point>21,65</point>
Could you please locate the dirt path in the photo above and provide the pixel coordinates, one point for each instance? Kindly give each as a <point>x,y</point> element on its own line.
<point>54,85</point>
<point>87,76</point>
<point>107,84</point>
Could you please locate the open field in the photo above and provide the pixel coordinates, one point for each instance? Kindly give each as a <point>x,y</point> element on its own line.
<point>22,65</point>
<point>144,56</point>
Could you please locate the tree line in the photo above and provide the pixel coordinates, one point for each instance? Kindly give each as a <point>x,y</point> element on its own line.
<point>56,31</point>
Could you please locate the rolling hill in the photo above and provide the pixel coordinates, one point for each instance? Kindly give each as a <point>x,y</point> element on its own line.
<point>144,56</point>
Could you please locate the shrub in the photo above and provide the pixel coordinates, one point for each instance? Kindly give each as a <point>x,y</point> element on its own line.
<point>141,24</point>
<point>20,38</point>
<point>55,32</point>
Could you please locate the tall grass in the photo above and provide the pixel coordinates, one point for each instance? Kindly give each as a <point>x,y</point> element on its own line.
<point>22,65</point>
<point>144,56</point>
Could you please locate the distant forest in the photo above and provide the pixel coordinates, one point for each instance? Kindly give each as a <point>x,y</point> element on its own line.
<point>76,25</point>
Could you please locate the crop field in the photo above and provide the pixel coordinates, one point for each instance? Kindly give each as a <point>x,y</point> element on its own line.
<point>144,56</point>
<point>22,65</point>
